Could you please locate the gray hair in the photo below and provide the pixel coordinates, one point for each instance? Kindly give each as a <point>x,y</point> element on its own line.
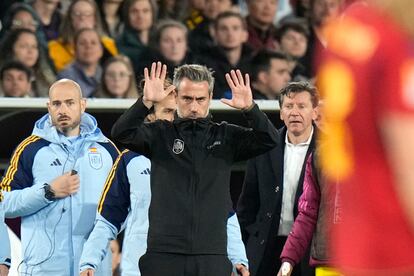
<point>195,73</point>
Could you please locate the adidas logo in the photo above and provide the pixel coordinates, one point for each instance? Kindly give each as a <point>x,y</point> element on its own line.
<point>146,171</point>
<point>56,162</point>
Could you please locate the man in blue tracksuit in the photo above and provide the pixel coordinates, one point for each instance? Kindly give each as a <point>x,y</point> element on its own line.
<point>128,198</point>
<point>4,243</point>
<point>54,182</point>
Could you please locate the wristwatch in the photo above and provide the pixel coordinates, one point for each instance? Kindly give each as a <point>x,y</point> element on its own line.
<point>49,193</point>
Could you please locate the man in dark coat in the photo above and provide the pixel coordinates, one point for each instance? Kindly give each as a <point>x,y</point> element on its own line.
<point>273,183</point>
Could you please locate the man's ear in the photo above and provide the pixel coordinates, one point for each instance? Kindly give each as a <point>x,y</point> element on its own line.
<point>262,77</point>
<point>83,105</point>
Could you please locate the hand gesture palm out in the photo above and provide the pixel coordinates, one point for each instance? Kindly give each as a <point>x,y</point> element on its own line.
<point>154,83</point>
<point>240,89</point>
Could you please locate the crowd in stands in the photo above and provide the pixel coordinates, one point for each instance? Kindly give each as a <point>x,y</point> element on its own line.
<point>105,44</point>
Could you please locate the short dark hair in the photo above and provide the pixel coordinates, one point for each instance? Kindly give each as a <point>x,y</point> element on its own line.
<point>195,73</point>
<point>228,14</point>
<point>262,61</point>
<point>294,25</point>
<point>299,87</point>
<point>16,65</point>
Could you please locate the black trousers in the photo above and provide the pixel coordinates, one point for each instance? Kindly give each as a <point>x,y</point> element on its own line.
<point>164,264</point>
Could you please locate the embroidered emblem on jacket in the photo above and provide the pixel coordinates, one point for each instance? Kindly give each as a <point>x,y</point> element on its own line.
<point>178,146</point>
<point>95,160</point>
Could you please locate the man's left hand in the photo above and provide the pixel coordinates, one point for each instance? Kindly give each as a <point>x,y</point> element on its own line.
<point>241,270</point>
<point>4,270</point>
<point>240,89</point>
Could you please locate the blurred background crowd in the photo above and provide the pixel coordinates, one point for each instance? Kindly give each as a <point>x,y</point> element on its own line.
<point>105,44</point>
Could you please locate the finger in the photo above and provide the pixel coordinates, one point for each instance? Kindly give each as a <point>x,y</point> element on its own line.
<point>247,79</point>
<point>226,101</point>
<point>74,178</point>
<point>146,74</point>
<point>230,81</point>
<point>163,72</point>
<point>153,66</point>
<point>240,77</point>
<point>234,78</point>
<point>158,71</point>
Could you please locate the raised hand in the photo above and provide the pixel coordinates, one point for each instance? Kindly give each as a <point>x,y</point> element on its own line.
<point>241,97</point>
<point>154,90</point>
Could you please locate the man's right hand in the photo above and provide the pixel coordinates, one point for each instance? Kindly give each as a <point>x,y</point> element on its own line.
<point>88,272</point>
<point>65,185</point>
<point>154,84</point>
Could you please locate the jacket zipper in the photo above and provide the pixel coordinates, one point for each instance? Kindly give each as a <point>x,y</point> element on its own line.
<point>192,189</point>
<point>70,240</point>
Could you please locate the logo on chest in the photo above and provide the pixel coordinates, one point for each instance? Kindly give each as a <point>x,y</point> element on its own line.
<point>95,159</point>
<point>178,146</point>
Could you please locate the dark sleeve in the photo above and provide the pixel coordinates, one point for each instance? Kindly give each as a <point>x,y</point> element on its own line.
<point>115,200</point>
<point>260,137</point>
<point>249,201</point>
<point>19,173</point>
<point>304,226</point>
<point>131,132</point>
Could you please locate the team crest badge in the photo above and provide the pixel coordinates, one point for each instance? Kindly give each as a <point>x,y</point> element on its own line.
<point>178,146</point>
<point>95,160</point>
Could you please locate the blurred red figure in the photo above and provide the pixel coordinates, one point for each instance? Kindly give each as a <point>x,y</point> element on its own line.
<point>366,79</point>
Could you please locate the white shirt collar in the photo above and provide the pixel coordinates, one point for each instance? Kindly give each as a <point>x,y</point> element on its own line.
<point>300,144</point>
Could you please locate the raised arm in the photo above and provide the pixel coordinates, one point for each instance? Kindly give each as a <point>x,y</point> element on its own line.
<point>130,130</point>
<point>240,90</point>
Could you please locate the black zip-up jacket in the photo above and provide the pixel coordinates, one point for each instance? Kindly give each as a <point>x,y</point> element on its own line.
<point>190,174</point>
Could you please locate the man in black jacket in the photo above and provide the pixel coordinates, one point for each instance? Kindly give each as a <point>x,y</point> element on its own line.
<point>273,183</point>
<point>191,161</point>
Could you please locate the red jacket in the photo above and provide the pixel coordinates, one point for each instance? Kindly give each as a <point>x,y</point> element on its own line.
<point>318,211</point>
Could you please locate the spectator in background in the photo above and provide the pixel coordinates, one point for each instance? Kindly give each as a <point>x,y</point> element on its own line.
<point>86,69</point>
<point>111,14</point>
<point>169,45</point>
<point>270,73</point>
<point>260,18</point>
<point>195,13</point>
<point>200,38</point>
<point>80,14</point>
<point>293,39</point>
<point>172,9</point>
<point>321,12</point>
<point>118,79</point>
<point>22,45</point>
<point>140,16</point>
<point>22,15</point>
<point>230,35</point>
<point>50,17</point>
<point>15,80</point>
